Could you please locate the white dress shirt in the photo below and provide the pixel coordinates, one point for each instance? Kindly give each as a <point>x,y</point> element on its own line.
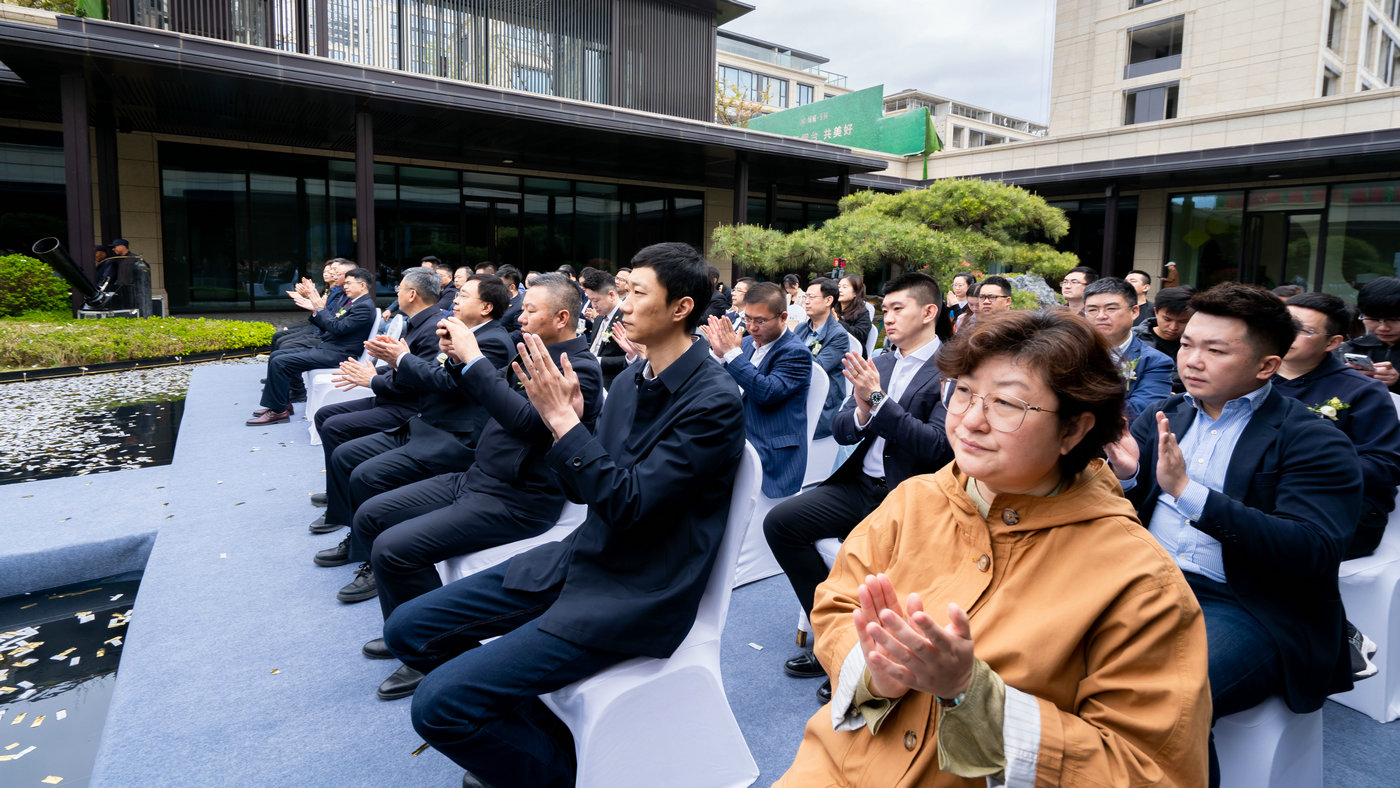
<point>903,373</point>
<point>759,353</point>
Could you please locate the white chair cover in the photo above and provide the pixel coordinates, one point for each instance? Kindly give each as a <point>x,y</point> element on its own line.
<point>653,722</point>
<point>828,549</point>
<point>570,517</point>
<point>320,391</point>
<point>756,560</point>
<point>1269,746</point>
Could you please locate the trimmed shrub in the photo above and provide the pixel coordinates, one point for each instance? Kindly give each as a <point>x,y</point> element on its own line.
<point>28,285</point>
<point>25,345</point>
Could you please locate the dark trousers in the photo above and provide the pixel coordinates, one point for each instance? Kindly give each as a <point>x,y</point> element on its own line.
<point>341,423</point>
<point>365,467</point>
<point>1244,662</point>
<point>479,703</point>
<point>284,366</point>
<point>302,335</point>
<point>794,526</point>
<point>408,530</point>
<point>1369,531</point>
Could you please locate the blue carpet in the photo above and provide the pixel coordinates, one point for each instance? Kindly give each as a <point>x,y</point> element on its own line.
<point>240,668</point>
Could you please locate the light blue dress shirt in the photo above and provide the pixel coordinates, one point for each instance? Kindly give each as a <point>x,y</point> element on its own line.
<point>1207,447</point>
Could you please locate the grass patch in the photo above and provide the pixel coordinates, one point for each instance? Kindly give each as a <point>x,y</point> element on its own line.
<point>30,341</point>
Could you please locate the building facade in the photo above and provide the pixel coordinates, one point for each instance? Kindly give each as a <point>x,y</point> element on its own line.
<point>1256,142</point>
<point>770,76</point>
<point>962,125</point>
<point>238,145</point>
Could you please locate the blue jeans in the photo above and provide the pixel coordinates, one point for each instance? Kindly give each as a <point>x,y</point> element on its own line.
<point>479,703</point>
<point>1245,667</point>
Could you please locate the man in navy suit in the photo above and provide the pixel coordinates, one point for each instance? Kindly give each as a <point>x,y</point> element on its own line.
<point>774,368</point>
<point>391,406</point>
<point>345,331</point>
<point>657,479</point>
<point>508,494</point>
<point>307,335</point>
<point>828,342</point>
<point>440,431</point>
<point>895,414</point>
<point>1111,305</point>
<point>1256,499</point>
<point>601,289</point>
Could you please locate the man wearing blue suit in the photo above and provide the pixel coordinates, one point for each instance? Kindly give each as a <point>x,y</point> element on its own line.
<point>1256,499</point>
<point>345,331</point>
<point>895,415</point>
<point>657,479</point>
<point>774,368</point>
<point>828,342</point>
<point>1111,305</point>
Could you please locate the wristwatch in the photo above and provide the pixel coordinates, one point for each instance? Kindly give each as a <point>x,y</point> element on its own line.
<point>875,398</point>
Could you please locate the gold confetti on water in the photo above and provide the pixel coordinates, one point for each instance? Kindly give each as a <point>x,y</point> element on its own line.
<point>39,720</point>
<point>19,718</point>
<point>275,671</point>
<point>12,746</point>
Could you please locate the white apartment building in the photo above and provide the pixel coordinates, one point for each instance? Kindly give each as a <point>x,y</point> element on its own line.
<point>791,77</point>
<point>962,125</point>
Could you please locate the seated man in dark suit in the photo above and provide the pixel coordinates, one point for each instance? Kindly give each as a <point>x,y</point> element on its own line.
<point>508,494</point>
<point>392,404</point>
<point>601,290</point>
<point>306,334</point>
<point>345,331</point>
<point>1256,500</point>
<point>657,480</point>
<point>774,369</point>
<point>510,321</point>
<point>1359,406</point>
<point>447,295</point>
<point>1110,306</point>
<point>829,342</point>
<point>735,315</point>
<point>895,416</point>
<point>439,436</point>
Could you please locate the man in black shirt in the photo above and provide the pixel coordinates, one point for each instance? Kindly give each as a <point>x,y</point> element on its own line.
<point>1163,330</point>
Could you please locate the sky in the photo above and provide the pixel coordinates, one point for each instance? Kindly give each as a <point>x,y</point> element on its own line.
<point>994,54</point>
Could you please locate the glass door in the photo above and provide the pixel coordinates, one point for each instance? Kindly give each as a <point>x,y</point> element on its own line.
<point>1283,248</point>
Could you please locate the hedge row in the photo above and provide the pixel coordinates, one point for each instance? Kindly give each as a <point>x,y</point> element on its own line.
<point>28,285</point>
<point>26,344</point>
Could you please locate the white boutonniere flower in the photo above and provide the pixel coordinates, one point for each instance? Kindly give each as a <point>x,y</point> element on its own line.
<point>1128,370</point>
<point>814,345</point>
<point>442,359</point>
<point>1330,408</point>
<point>341,313</point>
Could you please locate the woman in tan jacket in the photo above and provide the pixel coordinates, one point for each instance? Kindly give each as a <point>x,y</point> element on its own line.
<point>1046,638</point>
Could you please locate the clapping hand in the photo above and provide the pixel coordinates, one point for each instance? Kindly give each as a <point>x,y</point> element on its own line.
<point>554,392</point>
<point>632,349</point>
<point>721,336</point>
<point>865,379</point>
<point>905,649</point>
<point>352,373</point>
<point>1171,465</point>
<point>1123,455</point>
<point>456,340</point>
<point>386,349</point>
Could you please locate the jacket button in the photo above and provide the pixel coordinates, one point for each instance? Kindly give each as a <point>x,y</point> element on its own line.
<point>1010,517</point>
<point>910,740</point>
<point>577,462</point>
<point>983,563</point>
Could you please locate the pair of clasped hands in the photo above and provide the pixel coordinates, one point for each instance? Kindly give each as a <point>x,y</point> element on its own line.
<point>1123,456</point>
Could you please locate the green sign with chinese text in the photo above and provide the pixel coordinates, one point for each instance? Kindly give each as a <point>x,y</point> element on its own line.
<point>856,120</point>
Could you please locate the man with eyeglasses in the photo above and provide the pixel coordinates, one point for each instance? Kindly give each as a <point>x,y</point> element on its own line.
<point>1111,306</point>
<point>1379,302</point>
<point>1357,405</point>
<point>1072,287</point>
<point>895,417</point>
<point>988,297</point>
<point>774,368</point>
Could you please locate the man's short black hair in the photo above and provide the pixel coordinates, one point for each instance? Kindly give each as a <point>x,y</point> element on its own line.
<point>829,289</point>
<point>1380,298</point>
<point>566,269</point>
<point>508,274</point>
<point>491,289</point>
<point>1089,274</point>
<point>999,281</point>
<point>430,260</point>
<point>768,295</point>
<point>682,271</point>
<point>926,291</point>
<point>1268,325</point>
<point>1337,311</point>
<point>1114,286</point>
<point>363,275</point>
<point>486,267</point>
<point>598,281</point>
<point>1146,277</point>
<point>749,279</point>
<point>624,268</point>
<point>714,275</point>
<point>1174,301</point>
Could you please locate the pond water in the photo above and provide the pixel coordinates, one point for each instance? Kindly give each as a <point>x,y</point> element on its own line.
<point>59,651</point>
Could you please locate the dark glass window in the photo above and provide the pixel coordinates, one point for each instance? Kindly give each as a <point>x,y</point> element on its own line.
<point>1148,104</point>
<point>32,203</point>
<point>1154,48</point>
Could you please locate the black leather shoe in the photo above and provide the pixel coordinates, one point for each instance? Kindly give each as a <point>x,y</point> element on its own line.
<point>824,692</point>
<point>804,666</point>
<point>319,499</point>
<point>377,649</point>
<point>334,556</point>
<point>361,588</point>
<point>470,780</point>
<point>399,685</point>
<point>320,526</point>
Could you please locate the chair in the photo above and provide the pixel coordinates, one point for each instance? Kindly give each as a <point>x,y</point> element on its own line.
<point>649,722</point>
<point>874,335</point>
<point>1269,746</point>
<point>570,517</point>
<point>828,548</point>
<point>821,452</point>
<point>320,391</point>
<point>756,560</point>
